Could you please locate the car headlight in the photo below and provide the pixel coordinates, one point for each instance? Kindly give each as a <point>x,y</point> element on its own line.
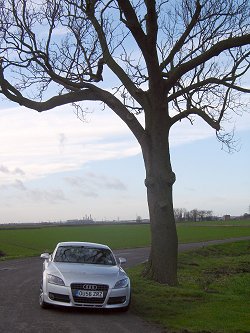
<point>55,280</point>
<point>121,284</point>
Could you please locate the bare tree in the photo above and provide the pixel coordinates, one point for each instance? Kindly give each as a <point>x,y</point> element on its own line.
<point>178,214</point>
<point>171,60</point>
<point>194,215</point>
<point>181,214</point>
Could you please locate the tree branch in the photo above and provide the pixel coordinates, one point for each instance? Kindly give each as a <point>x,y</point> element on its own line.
<point>137,94</point>
<point>195,111</point>
<point>133,24</point>
<point>203,83</point>
<point>93,93</point>
<point>151,24</point>
<point>178,45</point>
<point>72,97</point>
<point>176,73</point>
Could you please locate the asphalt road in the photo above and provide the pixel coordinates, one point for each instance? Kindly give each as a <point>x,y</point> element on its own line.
<point>20,311</point>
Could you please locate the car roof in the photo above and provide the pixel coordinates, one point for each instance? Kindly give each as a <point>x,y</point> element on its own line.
<point>87,244</point>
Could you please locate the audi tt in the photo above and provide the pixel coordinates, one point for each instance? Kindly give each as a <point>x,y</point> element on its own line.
<point>81,274</point>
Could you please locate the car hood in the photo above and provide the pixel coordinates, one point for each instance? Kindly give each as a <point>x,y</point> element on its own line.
<point>86,273</point>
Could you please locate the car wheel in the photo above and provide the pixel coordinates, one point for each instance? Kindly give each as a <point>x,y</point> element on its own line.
<point>42,304</point>
<point>126,308</point>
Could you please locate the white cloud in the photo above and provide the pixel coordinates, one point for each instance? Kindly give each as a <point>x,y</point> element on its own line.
<point>91,183</point>
<point>35,145</point>
<point>184,132</point>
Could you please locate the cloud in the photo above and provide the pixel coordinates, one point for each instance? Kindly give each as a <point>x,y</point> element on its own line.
<point>33,141</point>
<point>4,169</point>
<point>19,171</point>
<point>115,184</point>
<point>17,190</point>
<point>82,185</point>
<point>42,144</point>
<point>8,176</point>
<point>52,197</point>
<point>105,182</point>
<point>16,171</point>
<point>19,185</point>
<point>91,184</point>
<point>183,132</point>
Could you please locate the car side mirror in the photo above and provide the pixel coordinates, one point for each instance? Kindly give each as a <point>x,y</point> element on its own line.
<point>122,260</point>
<point>45,256</point>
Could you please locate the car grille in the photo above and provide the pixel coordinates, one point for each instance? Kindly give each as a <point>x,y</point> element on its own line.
<point>88,300</point>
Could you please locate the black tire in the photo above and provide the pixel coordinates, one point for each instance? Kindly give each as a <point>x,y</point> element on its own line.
<point>42,304</point>
<point>126,308</point>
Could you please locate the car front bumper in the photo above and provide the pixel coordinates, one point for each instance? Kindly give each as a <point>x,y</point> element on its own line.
<point>64,296</point>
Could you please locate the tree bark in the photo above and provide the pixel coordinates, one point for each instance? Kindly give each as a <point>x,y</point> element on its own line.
<point>162,264</point>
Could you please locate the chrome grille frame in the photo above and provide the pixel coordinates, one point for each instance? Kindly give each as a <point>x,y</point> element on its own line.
<point>87,300</point>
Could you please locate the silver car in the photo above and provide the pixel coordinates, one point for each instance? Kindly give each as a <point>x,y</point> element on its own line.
<point>84,274</point>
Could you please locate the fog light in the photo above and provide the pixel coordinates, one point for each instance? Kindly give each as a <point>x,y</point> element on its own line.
<point>51,296</point>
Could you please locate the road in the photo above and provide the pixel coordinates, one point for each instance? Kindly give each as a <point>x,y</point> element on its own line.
<point>20,311</point>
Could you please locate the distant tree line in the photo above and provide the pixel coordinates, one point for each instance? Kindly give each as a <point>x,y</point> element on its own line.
<point>182,215</point>
<point>196,215</point>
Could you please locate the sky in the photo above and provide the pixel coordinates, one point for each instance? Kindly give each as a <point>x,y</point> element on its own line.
<point>56,167</point>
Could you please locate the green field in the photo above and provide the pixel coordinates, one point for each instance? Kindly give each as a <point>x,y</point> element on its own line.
<point>20,242</point>
<point>30,242</point>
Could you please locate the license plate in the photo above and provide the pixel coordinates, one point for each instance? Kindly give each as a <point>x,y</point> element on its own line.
<point>90,294</point>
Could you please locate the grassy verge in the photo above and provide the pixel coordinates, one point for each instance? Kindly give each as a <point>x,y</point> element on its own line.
<point>212,296</point>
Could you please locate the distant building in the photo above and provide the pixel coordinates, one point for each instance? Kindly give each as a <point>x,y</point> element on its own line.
<point>227,217</point>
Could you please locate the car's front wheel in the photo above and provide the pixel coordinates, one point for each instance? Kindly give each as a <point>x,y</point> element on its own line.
<point>126,308</point>
<point>42,304</point>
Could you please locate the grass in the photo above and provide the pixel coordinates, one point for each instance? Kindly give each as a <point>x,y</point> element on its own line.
<point>212,296</point>
<point>30,242</point>
<point>233,223</point>
<point>190,233</point>
<point>25,242</point>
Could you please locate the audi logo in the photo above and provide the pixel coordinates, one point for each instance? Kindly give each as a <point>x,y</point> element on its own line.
<point>89,287</point>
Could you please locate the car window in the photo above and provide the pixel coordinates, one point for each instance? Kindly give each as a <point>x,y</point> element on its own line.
<point>85,255</point>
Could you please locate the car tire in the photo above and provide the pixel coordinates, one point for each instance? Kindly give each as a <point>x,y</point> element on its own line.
<point>126,308</point>
<point>42,304</point>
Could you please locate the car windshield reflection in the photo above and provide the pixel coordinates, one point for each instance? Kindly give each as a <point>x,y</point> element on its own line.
<point>84,255</point>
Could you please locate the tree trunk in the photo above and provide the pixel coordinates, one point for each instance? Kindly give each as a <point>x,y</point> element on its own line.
<point>162,264</point>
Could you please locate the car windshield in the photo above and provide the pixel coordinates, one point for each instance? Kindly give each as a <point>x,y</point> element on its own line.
<point>85,255</point>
